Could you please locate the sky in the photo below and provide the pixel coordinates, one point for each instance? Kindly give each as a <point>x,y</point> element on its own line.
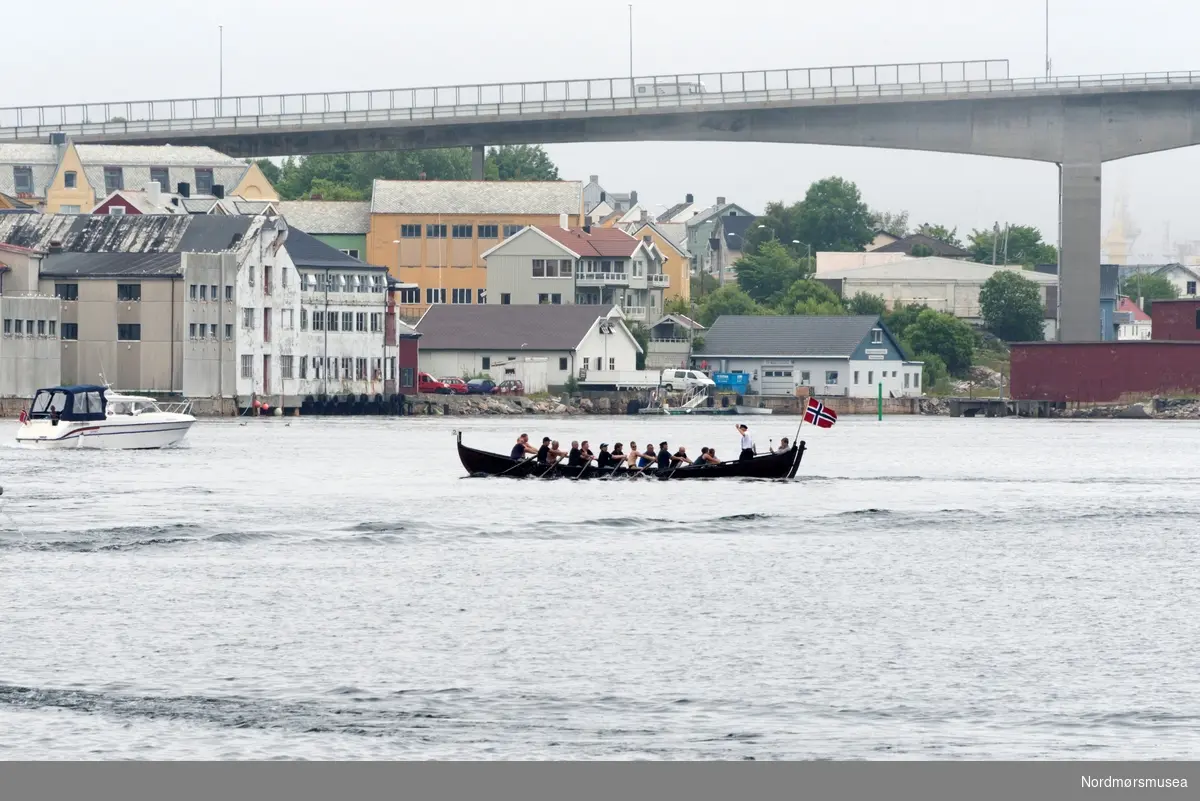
<point>166,50</point>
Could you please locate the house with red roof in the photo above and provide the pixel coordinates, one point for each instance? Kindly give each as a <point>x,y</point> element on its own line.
<point>1132,322</point>
<point>558,264</point>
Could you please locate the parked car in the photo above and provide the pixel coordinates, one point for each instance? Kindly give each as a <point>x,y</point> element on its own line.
<point>673,379</point>
<point>480,386</point>
<point>455,385</point>
<point>427,384</point>
<point>510,387</point>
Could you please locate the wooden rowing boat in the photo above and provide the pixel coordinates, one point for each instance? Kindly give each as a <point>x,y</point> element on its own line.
<point>770,466</point>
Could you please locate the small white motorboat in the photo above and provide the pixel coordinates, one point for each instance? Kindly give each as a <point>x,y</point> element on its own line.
<point>740,409</point>
<point>92,416</point>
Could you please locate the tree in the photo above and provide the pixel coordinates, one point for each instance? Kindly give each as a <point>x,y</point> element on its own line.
<point>811,298</point>
<point>933,371</point>
<point>703,284</point>
<point>678,305</point>
<point>321,189</point>
<point>945,336</point>
<point>921,250</point>
<point>729,299</point>
<point>901,318</point>
<point>832,216</point>
<point>769,272</point>
<point>643,339</point>
<point>520,163</point>
<point>940,233</point>
<point>1025,246</point>
<point>894,223</point>
<point>269,168</point>
<point>866,303</point>
<point>1012,308</point>
<point>1150,288</point>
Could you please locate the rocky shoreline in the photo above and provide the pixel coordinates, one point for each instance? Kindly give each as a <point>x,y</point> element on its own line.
<point>1155,409</point>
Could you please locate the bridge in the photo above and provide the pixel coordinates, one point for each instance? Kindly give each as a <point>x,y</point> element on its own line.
<point>972,107</point>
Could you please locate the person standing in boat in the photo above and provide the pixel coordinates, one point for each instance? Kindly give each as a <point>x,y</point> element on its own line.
<point>747,442</point>
<point>522,448</point>
<point>543,453</point>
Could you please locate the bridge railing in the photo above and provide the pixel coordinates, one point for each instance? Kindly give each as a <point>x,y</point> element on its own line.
<point>453,100</point>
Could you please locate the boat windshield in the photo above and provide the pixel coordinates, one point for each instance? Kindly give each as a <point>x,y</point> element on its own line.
<point>44,400</point>
<point>131,406</point>
<point>70,403</point>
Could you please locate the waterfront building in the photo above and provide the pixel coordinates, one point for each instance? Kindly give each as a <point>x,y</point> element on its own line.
<point>557,264</point>
<point>341,224</point>
<point>431,235</point>
<point>821,355</point>
<point>29,344</point>
<point>671,341</point>
<point>677,262</point>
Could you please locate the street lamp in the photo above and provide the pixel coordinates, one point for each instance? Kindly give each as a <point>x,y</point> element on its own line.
<point>809,257</point>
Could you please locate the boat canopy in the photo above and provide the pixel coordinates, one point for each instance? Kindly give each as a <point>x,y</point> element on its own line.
<point>83,402</point>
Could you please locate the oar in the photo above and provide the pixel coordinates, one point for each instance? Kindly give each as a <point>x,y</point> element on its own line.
<point>551,467</point>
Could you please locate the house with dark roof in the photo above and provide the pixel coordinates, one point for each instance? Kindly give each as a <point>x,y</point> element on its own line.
<point>670,342</point>
<point>569,340</point>
<point>552,264</point>
<point>341,224</point>
<point>916,244</point>
<point>843,355</point>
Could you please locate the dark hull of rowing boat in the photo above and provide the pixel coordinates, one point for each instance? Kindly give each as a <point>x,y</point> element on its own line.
<point>769,466</point>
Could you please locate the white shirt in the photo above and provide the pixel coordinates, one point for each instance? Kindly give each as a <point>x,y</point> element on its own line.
<point>747,441</point>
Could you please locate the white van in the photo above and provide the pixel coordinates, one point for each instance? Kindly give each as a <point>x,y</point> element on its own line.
<point>673,379</point>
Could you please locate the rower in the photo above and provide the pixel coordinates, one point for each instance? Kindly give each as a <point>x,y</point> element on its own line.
<point>522,448</point>
<point>618,454</point>
<point>585,451</point>
<point>709,456</point>
<point>575,458</point>
<point>681,456</point>
<point>555,453</point>
<point>649,457</point>
<point>747,443</point>
<point>784,447</point>
<point>604,459</point>
<point>634,457</point>
<point>543,453</point>
<point>664,457</point>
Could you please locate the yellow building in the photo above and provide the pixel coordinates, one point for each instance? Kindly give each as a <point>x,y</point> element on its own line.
<point>431,234</point>
<point>86,174</point>
<point>677,265</point>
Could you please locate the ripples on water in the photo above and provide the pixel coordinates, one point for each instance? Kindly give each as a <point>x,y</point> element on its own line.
<point>335,589</point>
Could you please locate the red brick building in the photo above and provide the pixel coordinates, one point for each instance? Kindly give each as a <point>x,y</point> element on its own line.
<point>1102,372</point>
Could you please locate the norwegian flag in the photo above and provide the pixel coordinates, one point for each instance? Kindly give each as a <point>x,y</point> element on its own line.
<point>819,414</point>
<point>24,417</point>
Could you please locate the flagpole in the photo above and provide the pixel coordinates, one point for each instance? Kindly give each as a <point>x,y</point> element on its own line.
<point>803,414</point>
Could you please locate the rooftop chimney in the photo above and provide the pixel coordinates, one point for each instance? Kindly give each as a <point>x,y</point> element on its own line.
<point>689,199</point>
<point>218,191</point>
<point>594,178</point>
<point>184,189</point>
<point>720,201</point>
<point>153,192</point>
<point>603,196</point>
<point>58,138</point>
<point>633,198</point>
<point>564,222</point>
<point>645,216</point>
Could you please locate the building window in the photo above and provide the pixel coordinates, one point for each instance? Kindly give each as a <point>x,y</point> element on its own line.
<point>228,332</point>
<point>351,252</point>
<point>347,367</point>
<point>612,363</point>
<point>318,321</point>
<point>544,298</point>
<point>855,376</point>
<point>304,367</point>
<point>248,318</point>
<point>213,292</point>
<point>268,271</point>
<point>876,336</point>
<point>376,322</point>
<point>266,325</point>
<point>481,296</point>
<point>512,230</point>
<point>66,291</point>
<point>288,320</point>
<point>360,369</point>
<point>562,362</point>
<point>204,181</point>
<point>487,362</point>
<point>435,295</point>
<point>162,177</point>
<point>462,231</point>
<point>318,365</point>
<point>411,295</point>
<point>460,296</point>
<point>1191,288</point>
<point>906,379</point>
<point>8,326</point>
<point>53,324</point>
<point>556,299</point>
<point>831,377</point>
<point>70,179</point>
<point>114,179</point>
<point>65,209</point>
<point>347,321</point>
<point>247,366</point>
<point>283,277</point>
<point>410,232</point>
<point>129,291</point>
<point>285,366</point>
<point>805,377</point>
<point>212,330</point>
<point>489,232</point>
<point>116,211</point>
<point>23,180</point>
<point>229,292</point>
<point>129,332</point>
<point>191,330</point>
<point>41,328</point>
<point>406,376</point>
<point>331,321</point>
<point>435,232</point>
<point>29,327</point>
<point>870,377</point>
<point>204,292</point>
<point>360,321</point>
<point>505,299</point>
<point>303,319</point>
<point>69,330</point>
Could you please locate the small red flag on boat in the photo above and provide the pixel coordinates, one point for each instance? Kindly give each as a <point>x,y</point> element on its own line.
<point>819,414</point>
<point>24,417</point>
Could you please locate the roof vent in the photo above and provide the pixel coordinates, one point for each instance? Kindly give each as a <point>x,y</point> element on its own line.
<point>184,189</point>
<point>218,191</point>
<point>720,201</point>
<point>55,246</point>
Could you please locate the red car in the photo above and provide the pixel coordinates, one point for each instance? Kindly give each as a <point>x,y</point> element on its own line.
<point>455,385</point>
<point>427,384</point>
<point>510,387</point>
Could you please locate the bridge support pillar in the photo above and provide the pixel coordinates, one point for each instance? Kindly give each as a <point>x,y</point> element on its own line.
<point>1079,215</point>
<point>477,159</point>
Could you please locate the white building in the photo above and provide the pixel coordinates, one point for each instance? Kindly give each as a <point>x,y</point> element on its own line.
<point>1185,279</point>
<point>29,345</point>
<point>555,265</point>
<point>1132,322</point>
<point>849,356</point>
<point>573,339</point>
